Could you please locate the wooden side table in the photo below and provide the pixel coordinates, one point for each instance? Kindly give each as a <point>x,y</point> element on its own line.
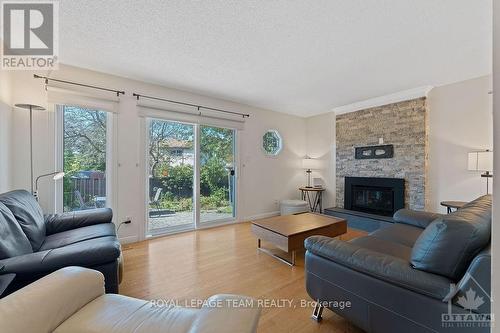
<point>452,204</point>
<point>314,196</point>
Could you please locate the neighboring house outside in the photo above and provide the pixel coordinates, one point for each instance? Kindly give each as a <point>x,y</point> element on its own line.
<point>180,151</point>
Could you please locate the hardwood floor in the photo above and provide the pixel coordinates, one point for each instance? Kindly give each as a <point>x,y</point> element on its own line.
<point>198,264</point>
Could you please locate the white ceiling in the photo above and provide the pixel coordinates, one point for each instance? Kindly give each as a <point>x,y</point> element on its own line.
<point>299,57</point>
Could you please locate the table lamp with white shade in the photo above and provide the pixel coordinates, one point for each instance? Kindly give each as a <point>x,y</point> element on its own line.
<point>482,161</point>
<point>309,164</point>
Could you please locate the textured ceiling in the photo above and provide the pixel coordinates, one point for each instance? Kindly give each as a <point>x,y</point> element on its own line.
<point>298,57</point>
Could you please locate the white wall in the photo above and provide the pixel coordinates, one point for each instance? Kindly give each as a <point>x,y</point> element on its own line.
<point>5,130</point>
<point>263,180</point>
<point>320,133</point>
<point>495,234</point>
<point>460,121</point>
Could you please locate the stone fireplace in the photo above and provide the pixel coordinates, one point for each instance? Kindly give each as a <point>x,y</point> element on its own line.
<point>403,125</point>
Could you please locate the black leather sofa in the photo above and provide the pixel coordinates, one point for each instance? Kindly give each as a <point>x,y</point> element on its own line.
<point>33,245</point>
<point>425,273</point>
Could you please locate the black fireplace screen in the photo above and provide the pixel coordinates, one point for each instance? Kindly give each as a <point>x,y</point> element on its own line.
<point>381,196</point>
<point>373,199</point>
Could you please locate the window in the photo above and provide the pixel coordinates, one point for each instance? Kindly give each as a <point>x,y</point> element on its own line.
<point>177,152</point>
<point>272,143</point>
<point>85,154</point>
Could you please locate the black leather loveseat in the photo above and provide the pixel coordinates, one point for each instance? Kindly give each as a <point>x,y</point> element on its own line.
<point>33,245</point>
<point>425,273</point>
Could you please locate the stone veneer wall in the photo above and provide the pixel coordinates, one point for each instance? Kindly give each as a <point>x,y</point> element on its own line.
<point>402,124</point>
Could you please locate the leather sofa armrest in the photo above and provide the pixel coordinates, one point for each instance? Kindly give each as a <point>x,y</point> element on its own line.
<point>227,314</point>
<point>476,278</point>
<point>86,254</point>
<point>415,218</point>
<point>43,305</point>
<point>379,265</point>
<point>62,222</point>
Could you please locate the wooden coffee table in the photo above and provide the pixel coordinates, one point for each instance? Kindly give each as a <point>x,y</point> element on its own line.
<point>289,232</point>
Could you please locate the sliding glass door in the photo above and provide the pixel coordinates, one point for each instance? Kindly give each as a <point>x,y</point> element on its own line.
<point>191,175</point>
<point>217,174</point>
<point>171,176</point>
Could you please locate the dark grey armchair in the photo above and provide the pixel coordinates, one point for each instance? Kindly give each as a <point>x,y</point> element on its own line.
<point>34,245</point>
<point>426,273</point>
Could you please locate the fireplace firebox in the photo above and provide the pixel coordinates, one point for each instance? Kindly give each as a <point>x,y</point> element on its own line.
<point>380,196</point>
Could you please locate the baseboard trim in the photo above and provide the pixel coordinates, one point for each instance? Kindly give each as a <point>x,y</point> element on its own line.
<point>128,239</point>
<point>134,239</point>
<point>259,216</point>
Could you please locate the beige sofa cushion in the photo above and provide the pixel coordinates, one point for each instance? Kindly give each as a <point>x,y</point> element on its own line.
<point>112,313</point>
<point>43,305</point>
<point>116,313</point>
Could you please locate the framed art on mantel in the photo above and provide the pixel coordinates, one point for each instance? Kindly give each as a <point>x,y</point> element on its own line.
<point>373,152</point>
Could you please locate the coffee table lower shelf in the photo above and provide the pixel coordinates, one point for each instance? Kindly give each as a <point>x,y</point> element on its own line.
<point>290,262</point>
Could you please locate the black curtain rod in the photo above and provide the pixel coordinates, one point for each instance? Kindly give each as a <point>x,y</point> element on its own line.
<point>47,79</point>
<point>244,115</point>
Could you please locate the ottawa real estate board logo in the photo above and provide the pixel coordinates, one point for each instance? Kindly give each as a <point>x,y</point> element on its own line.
<point>475,300</point>
<point>30,35</point>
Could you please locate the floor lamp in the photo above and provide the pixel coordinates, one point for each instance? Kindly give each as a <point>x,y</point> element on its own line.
<point>56,176</point>
<point>30,107</point>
